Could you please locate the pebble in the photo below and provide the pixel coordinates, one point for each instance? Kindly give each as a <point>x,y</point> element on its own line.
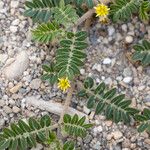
<point>129,39</point>
<point>14,4</point>
<point>7,109</point>
<point>86,110</point>
<point>3,58</point>
<point>13,29</point>
<point>16,88</point>
<point>127,80</point>
<point>117,135</point>
<point>107,61</point>
<point>82,71</point>
<point>16,109</point>
<point>111,30</point>
<point>17,67</point>
<point>35,84</point>
<point>127,72</point>
<point>15,22</point>
<point>38,147</point>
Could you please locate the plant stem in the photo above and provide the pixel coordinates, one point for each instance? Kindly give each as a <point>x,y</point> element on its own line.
<point>67,103</point>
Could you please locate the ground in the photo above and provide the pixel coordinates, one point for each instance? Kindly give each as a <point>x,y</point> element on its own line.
<point>20,71</point>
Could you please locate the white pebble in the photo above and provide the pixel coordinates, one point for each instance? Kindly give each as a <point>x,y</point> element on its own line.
<point>107,61</point>
<point>13,29</point>
<point>129,39</point>
<point>127,80</point>
<point>14,4</point>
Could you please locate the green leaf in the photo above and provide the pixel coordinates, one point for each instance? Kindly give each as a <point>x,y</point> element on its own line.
<point>88,83</point>
<point>142,53</point>
<point>45,121</point>
<point>47,32</point>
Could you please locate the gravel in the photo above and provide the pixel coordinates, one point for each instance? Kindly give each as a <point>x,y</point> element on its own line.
<point>20,72</point>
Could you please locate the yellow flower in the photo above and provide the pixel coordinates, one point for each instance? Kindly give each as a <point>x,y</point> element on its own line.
<point>101,10</point>
<point>63,84</point>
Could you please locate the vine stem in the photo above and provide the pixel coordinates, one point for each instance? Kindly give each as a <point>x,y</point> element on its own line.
<point>67,102</point>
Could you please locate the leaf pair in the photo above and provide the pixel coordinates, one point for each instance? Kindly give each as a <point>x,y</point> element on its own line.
<point>114,106</point>
<point>75,126</point>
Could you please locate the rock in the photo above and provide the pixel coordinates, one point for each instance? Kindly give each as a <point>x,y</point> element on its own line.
<point>16,109</point>
<point>127,72</point>
<point>2,102</point>
<point>127,80</point>
<point>16,88</point>
<point>15,22</point>
<point>97,145</point>
<point>13,29</point>
<point>16,68</point>
<point>129,39</point>
<point>86,110</point>
<point>147,141</point>
<point>35,84</point>
<point>2,123</point>
<point>124,27</point>
<point>7,109</point>
<point>99,129</point>
<point>82,71</point>
<point>111,30</point>
<point>14,4</point>
<point>3,58</point>
<point>107,61</point>
<point>1,4</point>
<point>117,135</point>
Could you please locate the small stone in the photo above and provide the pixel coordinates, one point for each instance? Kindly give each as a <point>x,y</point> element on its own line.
<point>97,146</point>
<point>35,84</point>
<point>129,39</point>
<point>108,123</point>
<point>127,80</point>
<point>1,4</point>
<point>117,135</point>
<point>16,88</point>
<point>147,141</point>
<point>17,67</point>
<point>99,68</point>
<point>86,110</point>
<point>99,129</point>
<point>2,122</point>
<point>2,102</point>
<point>13,29</point>
<point>124,27</point>
<point>111,30</point>
<point>82,71</point>
<point>127,72</point>
<point>3,58</point>
<point>15,22</point>
<point>107,61</point>
<point>7,109</point>
<point>14,4</point>
<point>16,109</point>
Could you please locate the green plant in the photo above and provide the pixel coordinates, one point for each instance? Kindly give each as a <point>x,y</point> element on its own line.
<point>25,135</point>
<point>142,52</point>
<point>114,107</point>
<point>145,120</point>
<point>122,10</point>
<point>58,20</point>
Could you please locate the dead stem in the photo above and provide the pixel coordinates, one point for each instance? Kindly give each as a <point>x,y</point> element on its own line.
<point>67,103</point>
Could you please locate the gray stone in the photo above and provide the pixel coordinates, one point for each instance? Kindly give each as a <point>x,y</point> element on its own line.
<point>127,72</point>
<point>107,61</point>
<point>35,84</point>
<point>3,58</point>
<point>13,29</point>
<point>16,109</point>
<point>7,109</point>
<point>16,68</point>
<point>111,30</point>
<point>1,4</point>
<point>117,135</point>
<point>15,22</point>
<point>14,4</point>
